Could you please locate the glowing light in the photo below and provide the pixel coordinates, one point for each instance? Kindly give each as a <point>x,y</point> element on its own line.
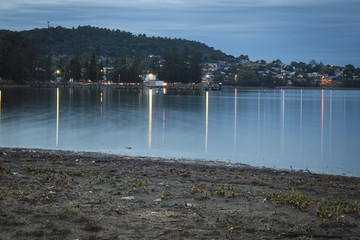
<point>301,124</point>
<point>322,123</point>
<point>57,71</point>
<point>150,116</point>
<point>258,127</point>
<point>164,91</point>
<point>165,84</point>
<point>207,120</point>
<point>235,120</point>
<point>282,120</point>
<point>0,106</point>
<point>101,97</point>
<point>57,115</point>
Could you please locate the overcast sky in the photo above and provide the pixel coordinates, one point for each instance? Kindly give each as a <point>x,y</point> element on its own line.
<point>299,30</point>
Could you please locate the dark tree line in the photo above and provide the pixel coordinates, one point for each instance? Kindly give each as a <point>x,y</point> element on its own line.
<point>59,40</point>
<point>17,58</point>
<point>126,72</point>
<point>181,67</point>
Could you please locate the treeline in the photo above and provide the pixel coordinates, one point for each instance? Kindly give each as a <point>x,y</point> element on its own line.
<point>17,58</point>
<point>20,62</point>
<point>176,66</point>
<point>85,39</point>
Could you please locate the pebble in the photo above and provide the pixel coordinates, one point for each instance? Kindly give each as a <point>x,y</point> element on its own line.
<point>128,198</point>
<point>158,200</point>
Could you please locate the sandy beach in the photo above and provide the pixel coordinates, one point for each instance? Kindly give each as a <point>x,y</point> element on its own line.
<point>47,194</point>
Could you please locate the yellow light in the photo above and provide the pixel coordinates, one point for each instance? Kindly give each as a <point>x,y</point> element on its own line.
<point>57,116</point>
<point>165,84</point>
<point>57,71</point>
<point>150,118</point>
<point>101,70</point>
<point>206,120</point>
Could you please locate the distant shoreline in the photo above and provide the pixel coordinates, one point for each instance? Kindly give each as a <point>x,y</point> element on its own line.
<point>177,86</point>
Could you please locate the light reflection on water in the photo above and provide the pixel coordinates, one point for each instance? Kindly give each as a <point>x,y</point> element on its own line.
<point>314,129</point>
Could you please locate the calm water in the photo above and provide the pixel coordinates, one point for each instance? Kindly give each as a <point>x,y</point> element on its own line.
<point>314,129</point>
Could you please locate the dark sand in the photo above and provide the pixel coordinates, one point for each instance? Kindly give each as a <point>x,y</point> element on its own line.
<point>47,194</point>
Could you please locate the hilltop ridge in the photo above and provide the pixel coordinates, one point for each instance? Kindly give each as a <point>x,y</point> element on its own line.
<point>110,43</point>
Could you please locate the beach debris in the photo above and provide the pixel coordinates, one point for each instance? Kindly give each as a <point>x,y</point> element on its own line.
<point>158,200</point>
<point>308,170</point>
<point>128,198</point>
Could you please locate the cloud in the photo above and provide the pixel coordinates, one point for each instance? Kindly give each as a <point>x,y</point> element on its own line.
<point>252,27</point>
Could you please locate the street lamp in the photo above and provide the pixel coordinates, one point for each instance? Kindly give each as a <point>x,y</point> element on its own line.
<point>57,72</point>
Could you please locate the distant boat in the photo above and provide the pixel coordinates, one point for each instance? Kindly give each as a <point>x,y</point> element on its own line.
<point>152,81</point>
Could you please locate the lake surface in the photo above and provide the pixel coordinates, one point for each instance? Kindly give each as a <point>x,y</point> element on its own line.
<point>314,129</point>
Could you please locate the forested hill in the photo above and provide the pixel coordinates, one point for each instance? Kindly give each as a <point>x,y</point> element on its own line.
<point>110,43</point>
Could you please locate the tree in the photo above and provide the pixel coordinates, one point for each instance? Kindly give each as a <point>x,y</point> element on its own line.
<point>48,69</point>
<point>75,68</point>
<point>243,57</point>
<point>17,58</point>
<point>100,72</point>
<point>195,72</point>
<point>135,69</point>
<point>155,66</point>
<point>247,77</point>
<point>91,68</point>
<point>357,72</point>
<point>123,68</point>
<point>349,71</point>
<point>170,71</point>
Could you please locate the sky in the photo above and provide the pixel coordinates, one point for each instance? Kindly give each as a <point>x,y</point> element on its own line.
<point>326,31</point>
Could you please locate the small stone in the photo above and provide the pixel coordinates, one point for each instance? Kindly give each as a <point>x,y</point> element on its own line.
<point>158,200</point>
<point>128,198</point>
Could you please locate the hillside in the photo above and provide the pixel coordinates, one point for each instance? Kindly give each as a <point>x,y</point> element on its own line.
<point>110,43</point>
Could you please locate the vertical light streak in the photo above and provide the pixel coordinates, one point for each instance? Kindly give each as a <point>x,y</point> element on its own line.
<point>57,115</point>
<point>330,126</point>
<point>207,120</point>
<point>282,120</point>
<point>150,117</point>
<point>163,135</point>
<point>101,100</point>
<point>344,111</point>
<point>0,107</point>
<point>322,123</point>
<point>258,126</point>
<point>235,120</point>
<point>301,124</point>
